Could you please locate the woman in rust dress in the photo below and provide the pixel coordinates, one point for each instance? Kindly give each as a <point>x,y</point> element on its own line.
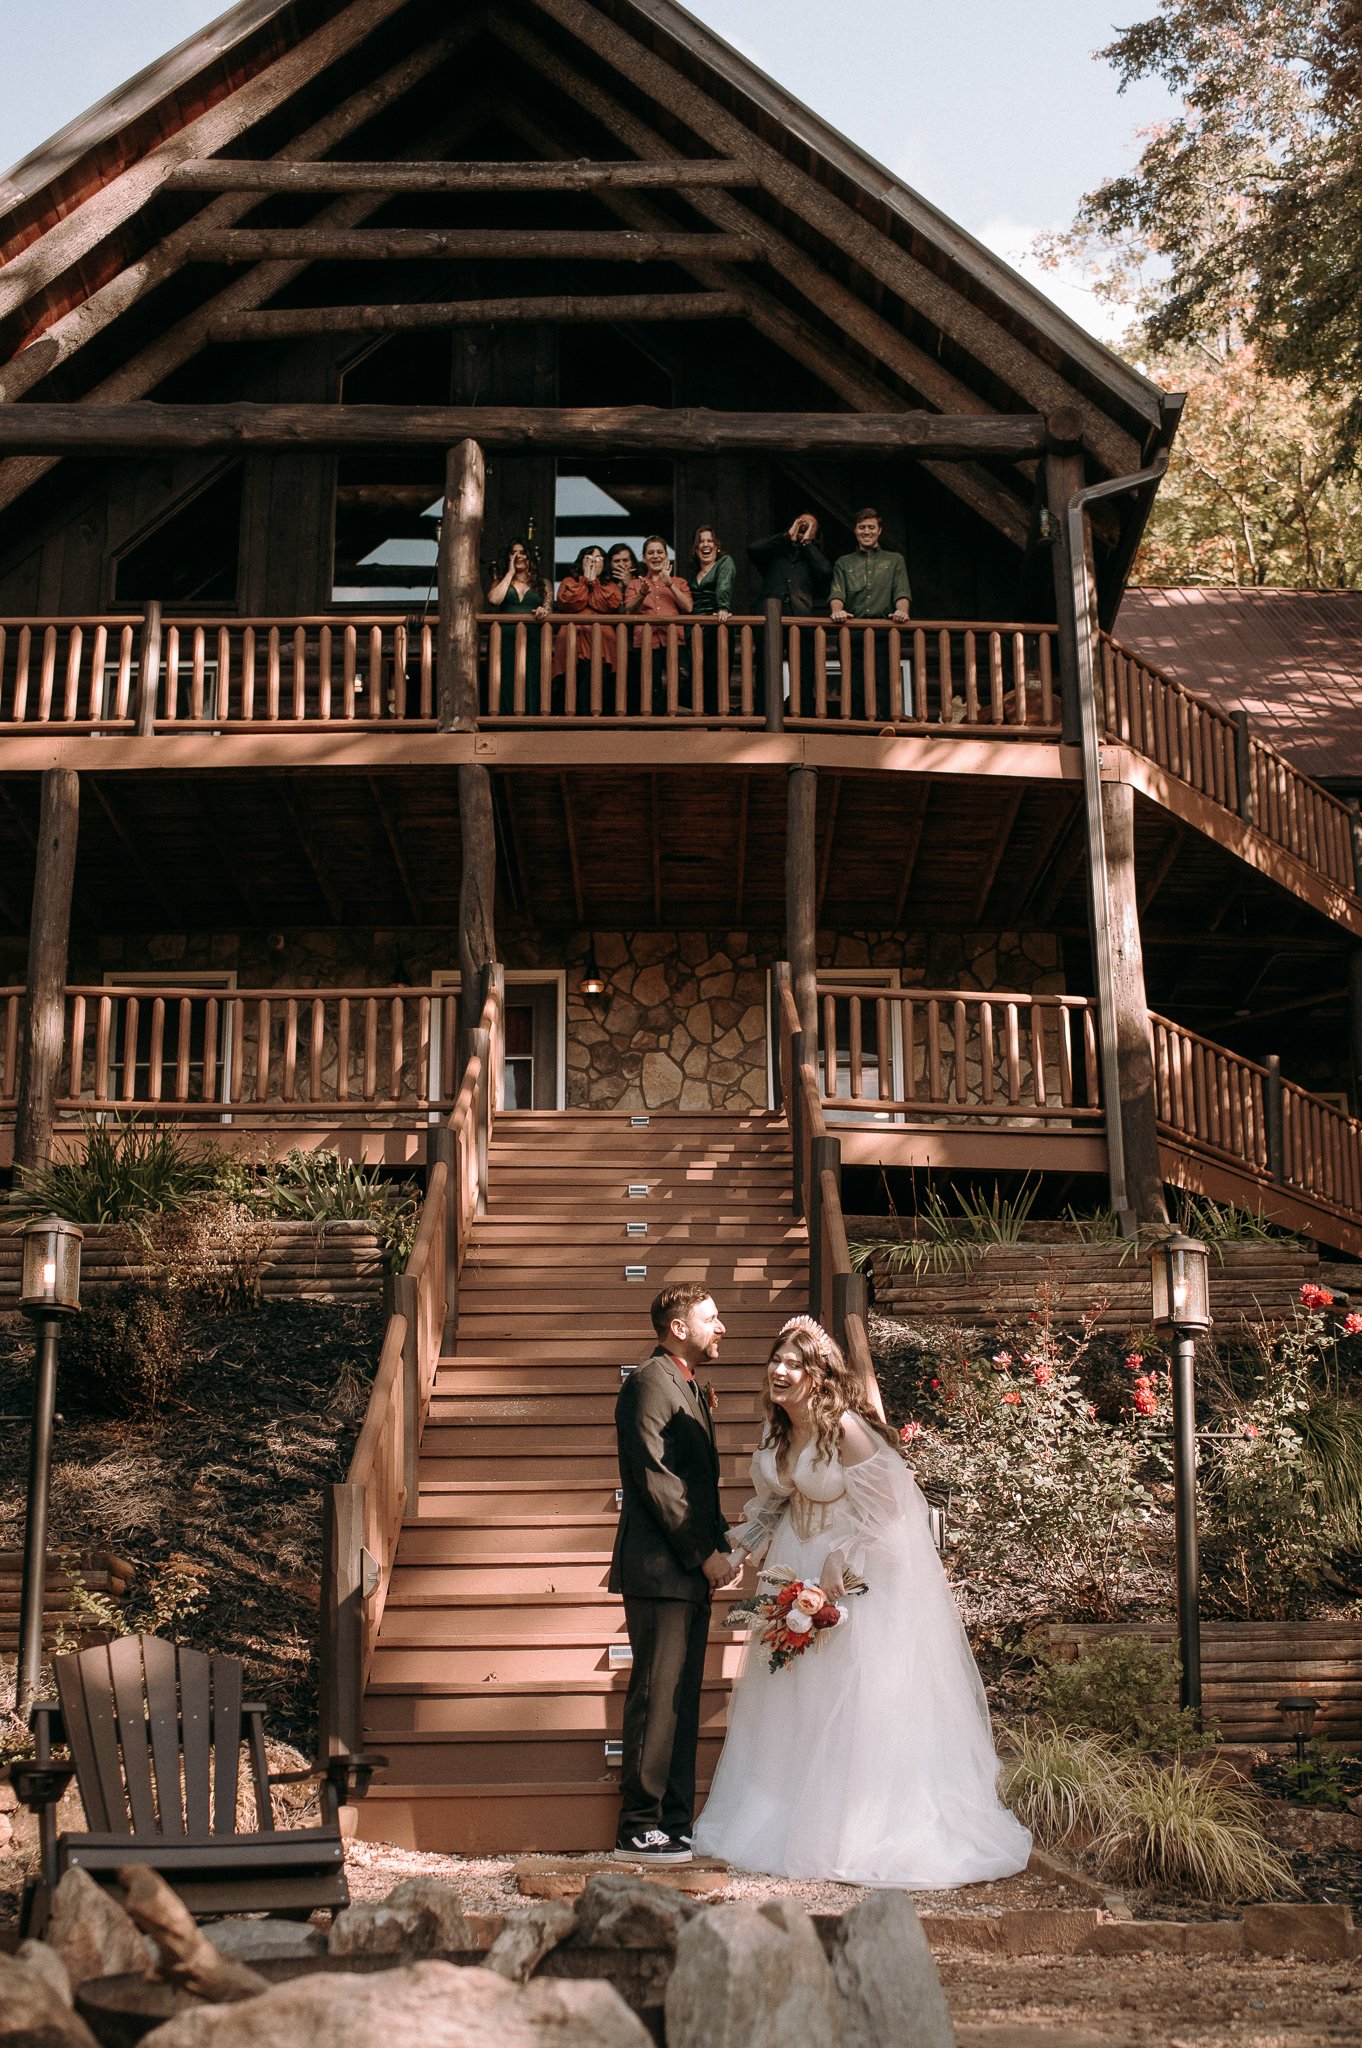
<point>586,589</point>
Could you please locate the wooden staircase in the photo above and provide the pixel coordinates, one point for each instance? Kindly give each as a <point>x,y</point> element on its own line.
<point>499,1673</point>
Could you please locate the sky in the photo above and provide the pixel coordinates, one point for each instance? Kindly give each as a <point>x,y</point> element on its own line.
<point>997,111</point>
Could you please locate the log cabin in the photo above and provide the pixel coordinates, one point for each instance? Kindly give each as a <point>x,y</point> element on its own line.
<point>636,936</point>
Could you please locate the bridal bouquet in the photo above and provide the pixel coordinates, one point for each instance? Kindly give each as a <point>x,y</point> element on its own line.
<point>797,1618</point>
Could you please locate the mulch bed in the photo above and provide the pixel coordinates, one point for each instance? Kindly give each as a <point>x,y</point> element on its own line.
<point>219,1494</point>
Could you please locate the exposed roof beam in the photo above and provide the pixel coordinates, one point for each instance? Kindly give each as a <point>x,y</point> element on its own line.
<point>570,828</point>
<point>1007,818</point>
<point>233,174</point>
<point>79,232</point>
<point>66,336</point>
<point>779,323</point>
<point>283,323</point>
<point>312,854</point>
<point>138,429</point>
<point>451,245</point>
<point>958,318</point>
<point>395,847</point>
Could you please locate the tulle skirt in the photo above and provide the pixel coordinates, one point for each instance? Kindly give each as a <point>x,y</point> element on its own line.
<point>869,1759</point>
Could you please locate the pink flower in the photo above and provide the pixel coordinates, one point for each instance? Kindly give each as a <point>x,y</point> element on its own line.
<point>910,1432</point>
<point>1012,1397</point>
<point>1250,1429</point>
<point>1352,1323</point>
<point>1042,1375</point>
<point>1134,1360</point>
<point>1316,1297</point>
<point>1092,1412</point>
<point>1002,1359</point>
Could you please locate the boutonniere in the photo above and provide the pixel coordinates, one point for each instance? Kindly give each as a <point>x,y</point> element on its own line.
<point>711,1398</point>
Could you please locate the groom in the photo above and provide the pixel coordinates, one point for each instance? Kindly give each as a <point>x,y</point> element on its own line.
<point>671,1553</point>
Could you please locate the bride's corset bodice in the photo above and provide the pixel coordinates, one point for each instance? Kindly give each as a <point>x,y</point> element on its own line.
<point>814,1490</point>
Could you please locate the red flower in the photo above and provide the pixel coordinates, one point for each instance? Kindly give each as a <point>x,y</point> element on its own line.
<point>1092,1412</point>
<point>1002,1359</point>
<point>1134,1360</point>
<point>1042,1375</point>
<point>1316,1297</point>
<point>1012,1397</point>
<point>826,1617</point>
<point>1352,1324</point>
<point>1250,1429</point>
<point>910,1432</point>
<point>934,1384</point>
<point>785,1598</point>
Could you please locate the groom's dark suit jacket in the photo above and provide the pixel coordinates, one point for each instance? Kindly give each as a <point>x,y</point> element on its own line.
<point>669,1472</point>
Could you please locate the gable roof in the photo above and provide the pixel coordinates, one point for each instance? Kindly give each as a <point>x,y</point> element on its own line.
<point>892,304</point>
<point>1291,658</point>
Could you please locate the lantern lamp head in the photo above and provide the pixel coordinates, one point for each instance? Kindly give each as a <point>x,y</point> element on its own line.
<point>51,1276</point>
<point>1180,1283</point>
<point>1298,1713</point>
<point>593,981</point>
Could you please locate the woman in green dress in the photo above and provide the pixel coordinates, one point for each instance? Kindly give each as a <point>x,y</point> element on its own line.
<point>711,586</point>
<point>520,590</point>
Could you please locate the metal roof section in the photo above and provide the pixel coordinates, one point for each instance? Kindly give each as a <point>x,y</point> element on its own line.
<point>1291,658</point>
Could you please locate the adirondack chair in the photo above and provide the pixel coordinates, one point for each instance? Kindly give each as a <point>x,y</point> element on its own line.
<point>155,1735</point>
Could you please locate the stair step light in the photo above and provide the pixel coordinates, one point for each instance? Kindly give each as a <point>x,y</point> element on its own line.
<point>614,1753</point>
<point>640,1123</point>
<point>619,1657</point>
<point>638,1190</point>
<point>636,1230</point>
<point>636,1272</point>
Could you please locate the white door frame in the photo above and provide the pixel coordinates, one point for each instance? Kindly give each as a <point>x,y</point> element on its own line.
<point>448,980</point>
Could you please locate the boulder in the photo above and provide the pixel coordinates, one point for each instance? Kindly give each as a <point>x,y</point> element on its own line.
<point>886,1979</point>
<point>752,1977</point>
<point>49,1965</point>
<point>265,1941</point>
<point>527,1937</point>
<point>619,1910</point>
<point>419,1917</point>
<point>425,2005</point>
<point>33,2014</point>
<point>89,1930</point>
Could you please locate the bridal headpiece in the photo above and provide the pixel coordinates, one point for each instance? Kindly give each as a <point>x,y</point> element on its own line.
<point>809,1323</point>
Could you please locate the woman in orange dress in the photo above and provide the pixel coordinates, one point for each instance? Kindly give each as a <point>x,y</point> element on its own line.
<point>586,589</point>
<point>660,594</point>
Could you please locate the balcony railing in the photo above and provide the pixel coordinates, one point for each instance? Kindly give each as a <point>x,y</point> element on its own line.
<point>931,677</point>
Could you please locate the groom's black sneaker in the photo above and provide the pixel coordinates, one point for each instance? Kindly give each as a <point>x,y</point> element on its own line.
<point>651,1845</point>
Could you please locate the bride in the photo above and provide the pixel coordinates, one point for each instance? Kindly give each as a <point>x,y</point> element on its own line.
<point>869,1758</point>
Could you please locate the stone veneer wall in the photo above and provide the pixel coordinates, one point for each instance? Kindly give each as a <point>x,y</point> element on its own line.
<point>682,1024</point>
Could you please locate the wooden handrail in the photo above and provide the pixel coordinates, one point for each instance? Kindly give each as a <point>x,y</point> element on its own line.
<point>381,1483</point>
<point>837,1295</point>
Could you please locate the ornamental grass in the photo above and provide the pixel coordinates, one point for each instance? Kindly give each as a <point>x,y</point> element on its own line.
<point>1187,1830</point>
<point>1062,1782</point>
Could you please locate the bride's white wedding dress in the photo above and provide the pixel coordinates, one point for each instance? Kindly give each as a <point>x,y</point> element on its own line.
<point>870,1758</point>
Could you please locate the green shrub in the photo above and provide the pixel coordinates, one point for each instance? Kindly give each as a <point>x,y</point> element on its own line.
<point>1120,1687</point>
<point>126,1353</point>
<point>943,1238</point>
<point>321,1187</point>
<point>1330,1431</point>
<point>128,1170</point>
<point>1322,1777</point>
<point>1191,1831</point>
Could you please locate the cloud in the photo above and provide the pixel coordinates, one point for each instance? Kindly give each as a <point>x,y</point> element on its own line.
<point>1067,287</point>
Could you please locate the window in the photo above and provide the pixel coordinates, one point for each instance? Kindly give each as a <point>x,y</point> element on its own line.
<point>874,1056</point>
<point>534,1073</point>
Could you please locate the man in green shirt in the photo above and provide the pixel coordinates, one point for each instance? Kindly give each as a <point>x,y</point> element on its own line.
<point>870,584</point>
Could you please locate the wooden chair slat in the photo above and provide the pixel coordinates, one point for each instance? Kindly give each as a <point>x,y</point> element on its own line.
<point>163,1717</point>
<point>130,1702</point>
<point>80,1739</point>
<point>196,1728</point>
<point>103,1725</point>
<point>226,1742</point>
<point>260,1769</point>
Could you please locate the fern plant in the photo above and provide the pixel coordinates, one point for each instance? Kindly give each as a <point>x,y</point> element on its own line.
<point>945,1239</point>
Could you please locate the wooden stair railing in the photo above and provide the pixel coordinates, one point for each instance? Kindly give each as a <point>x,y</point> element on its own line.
<point>363,1517</point>
<point>837,1294</point>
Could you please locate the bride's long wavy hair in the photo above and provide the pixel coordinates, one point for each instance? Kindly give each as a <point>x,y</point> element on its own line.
<point>835,1390</point>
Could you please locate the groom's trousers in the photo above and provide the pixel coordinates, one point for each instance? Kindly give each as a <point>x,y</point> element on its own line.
<point>662,1714</point>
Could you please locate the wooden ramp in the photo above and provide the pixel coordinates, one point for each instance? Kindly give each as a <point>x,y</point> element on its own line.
<point>501,1663</point>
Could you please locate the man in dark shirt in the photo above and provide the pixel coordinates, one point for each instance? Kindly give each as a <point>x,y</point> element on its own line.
<point>671,1554</point>
<point>794,570</point>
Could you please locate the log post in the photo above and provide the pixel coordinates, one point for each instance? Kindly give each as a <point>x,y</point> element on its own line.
<point>1355,1025</point>
<point>1064,476</point>
<point>825,1156</point>
<point>796,1113</point>
<point>42,1014</point>
<point>1276,1153</point>
<point>477,896</point>
<point>440,1146</point>
<point>149,670</point>
<point>1138,1107</point>
<point>341,1649</point>
<point>1355,829</point>
<point>460,587</point>
<point>774,665</point>
<point>801,900</point>
<point>405,1304</point>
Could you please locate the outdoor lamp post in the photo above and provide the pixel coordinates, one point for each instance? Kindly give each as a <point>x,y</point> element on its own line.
<point>50,1290</point>
<point>1298,1713</point>
<point>1182,1310</point>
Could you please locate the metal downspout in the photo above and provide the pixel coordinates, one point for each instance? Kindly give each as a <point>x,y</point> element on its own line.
<point>1090,733</point>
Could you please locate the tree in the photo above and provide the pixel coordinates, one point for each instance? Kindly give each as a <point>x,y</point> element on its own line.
<point>1254,493</point>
